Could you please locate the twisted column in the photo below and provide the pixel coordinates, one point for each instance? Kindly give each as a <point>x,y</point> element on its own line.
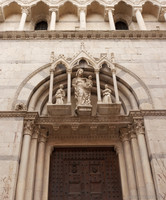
<point>25,12</point>
<point>123,175</point>
<point>28,130</point>
<point>139,18</point>
<point>129,164</point>
<point>32,165</point>
<point>40,165</point>
<point>145,160</point>
<point>137,165</point>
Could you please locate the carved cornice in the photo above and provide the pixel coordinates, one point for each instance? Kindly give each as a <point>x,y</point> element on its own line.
<point>143,113</point>
<point>23,114</point>
<point>80,35</point>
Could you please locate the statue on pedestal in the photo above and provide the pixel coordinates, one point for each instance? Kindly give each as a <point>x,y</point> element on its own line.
<point>82,87</point>
<point>107,95</point>
<point>60,95</point>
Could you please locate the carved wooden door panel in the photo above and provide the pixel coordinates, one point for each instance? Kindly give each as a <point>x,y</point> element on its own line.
<point>84,174</point>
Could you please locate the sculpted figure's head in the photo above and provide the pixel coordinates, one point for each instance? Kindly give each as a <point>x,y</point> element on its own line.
<point>61,86</point>
<point>106,86</point>
<point>79,72</point>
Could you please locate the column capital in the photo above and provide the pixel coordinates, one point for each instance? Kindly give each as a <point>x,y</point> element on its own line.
<point>137,8</point>
<point>25,9</point>
<point>97,70</point>
<point>69,70</point>
<point>28,127</point>
<point>124,134</point>
<point>139,126</point>
<point>113,71</point>
<point>118,149</point>
<point>109,8</point>
<point>43,135</point>
<point>36,132</point>
<point>54,9</point>
<point>82,9</point>
<point>132,133</point>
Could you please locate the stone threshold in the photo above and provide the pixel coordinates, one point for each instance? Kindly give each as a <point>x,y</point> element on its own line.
<point>83,35</point>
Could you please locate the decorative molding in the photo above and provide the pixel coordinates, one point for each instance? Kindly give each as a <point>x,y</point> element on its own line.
<point>83,35</point>
<point>23,114</point>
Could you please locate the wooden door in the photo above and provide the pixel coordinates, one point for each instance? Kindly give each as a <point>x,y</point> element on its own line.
<point>84,174</point>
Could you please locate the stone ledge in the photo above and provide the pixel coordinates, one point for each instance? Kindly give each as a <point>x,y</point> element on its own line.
<point>82,35</point>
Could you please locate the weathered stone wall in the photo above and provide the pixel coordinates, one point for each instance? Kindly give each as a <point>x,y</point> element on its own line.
<point>145,58</point>
<point>10,147</point>
<point>156,140</point>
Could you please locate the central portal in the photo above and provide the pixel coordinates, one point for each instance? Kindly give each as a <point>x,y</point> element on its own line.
<point>84,173</point>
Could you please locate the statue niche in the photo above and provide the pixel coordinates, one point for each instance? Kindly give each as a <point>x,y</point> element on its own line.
<point>82,91</point>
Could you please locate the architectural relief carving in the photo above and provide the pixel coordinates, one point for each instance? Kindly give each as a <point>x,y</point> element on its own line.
<point>82,87</point>
<point>60,95</point>
<point>20,107</point>
<point>107,95</point>
<point>28,127</point>
<point>139,126</point>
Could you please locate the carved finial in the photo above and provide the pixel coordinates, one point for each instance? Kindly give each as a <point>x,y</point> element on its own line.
<point>112,57</point>
<point>52,57</point>
<point>82,46</point>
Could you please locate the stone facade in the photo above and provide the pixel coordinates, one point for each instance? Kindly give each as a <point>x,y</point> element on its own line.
<point>34,63</point>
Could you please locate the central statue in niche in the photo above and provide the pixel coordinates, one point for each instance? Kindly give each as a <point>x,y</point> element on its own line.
<point>82,88</point>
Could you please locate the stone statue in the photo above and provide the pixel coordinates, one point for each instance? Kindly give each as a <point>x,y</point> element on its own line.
<point>82,87</point>
<point>60,95</point>
<point>107,95</point>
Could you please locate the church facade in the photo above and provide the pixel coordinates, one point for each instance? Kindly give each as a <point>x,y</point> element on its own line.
<point>83,89</point>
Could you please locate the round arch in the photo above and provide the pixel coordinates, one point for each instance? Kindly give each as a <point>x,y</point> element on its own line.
<point>133,92</point>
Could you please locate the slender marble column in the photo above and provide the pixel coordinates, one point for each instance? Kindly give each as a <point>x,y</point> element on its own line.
<point>28,129</point>
<point>165,15</point>
<point>32,165</point>
<point>53,18</point>
<point>25,11</point>
<point>123,175</point>
<point>145,160</point>
<point>138,166</point>
<point>69,86</point>
<point>51,85</point>
<point>115,85</point>
<point>82,12</point>
<point>46,172</point>
<point>110,17</point>
<point>98,85</point>
<point>40,165</point>
<point>129,164</point>
<point>140,19</point>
